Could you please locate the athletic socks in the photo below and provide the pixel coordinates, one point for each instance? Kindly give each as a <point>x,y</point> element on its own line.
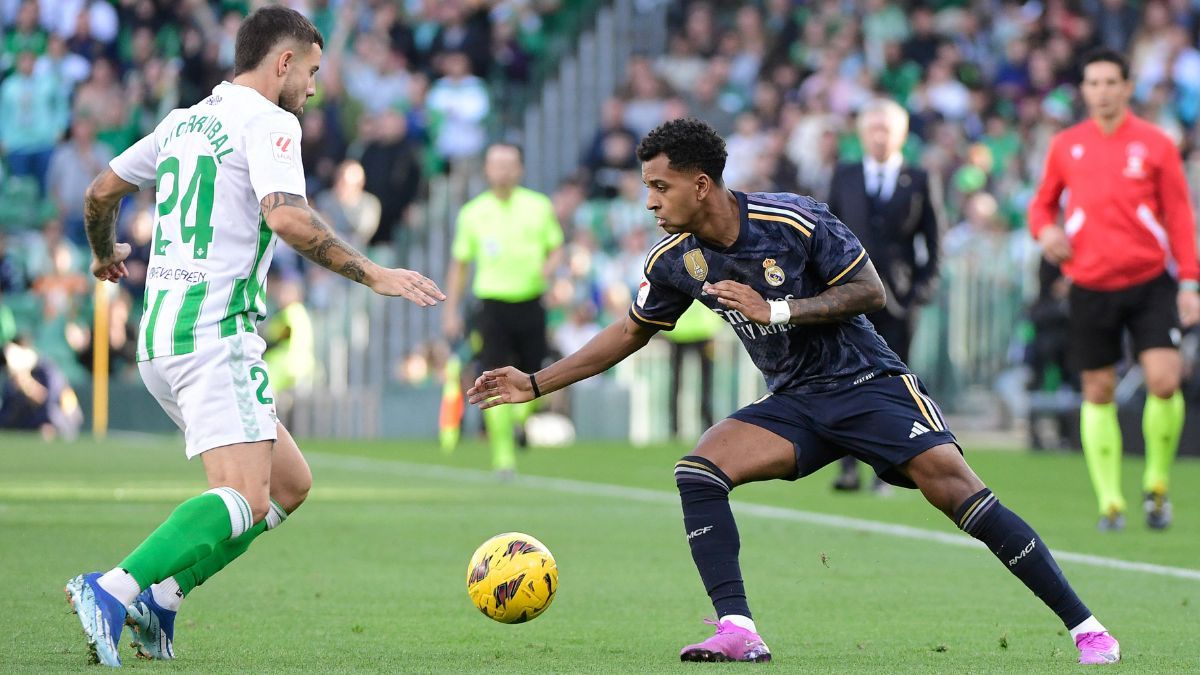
<point>120,584</point>
<point>499,424</point>
<point>1016,544</point>
<point>1101,435</point>
<point>712,534</point>
<point>222,554</point>
<point>1162,424</point>
<point>188,535</point>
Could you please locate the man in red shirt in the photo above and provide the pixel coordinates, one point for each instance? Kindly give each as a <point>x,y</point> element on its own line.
<point>1128,244</point>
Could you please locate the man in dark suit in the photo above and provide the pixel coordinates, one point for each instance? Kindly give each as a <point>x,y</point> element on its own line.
<point>890,207</point>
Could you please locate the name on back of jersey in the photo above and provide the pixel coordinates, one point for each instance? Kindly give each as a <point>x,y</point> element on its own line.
<point>208,126</point>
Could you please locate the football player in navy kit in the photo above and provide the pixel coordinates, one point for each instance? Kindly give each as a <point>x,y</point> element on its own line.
<point>794,283</point>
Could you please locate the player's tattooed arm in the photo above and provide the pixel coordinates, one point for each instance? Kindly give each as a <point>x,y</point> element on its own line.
<point>312,237</point>
<point>100,204</point>
<point>862,294</point>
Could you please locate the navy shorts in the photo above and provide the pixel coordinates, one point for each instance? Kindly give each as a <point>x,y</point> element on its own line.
<point>884,422</point>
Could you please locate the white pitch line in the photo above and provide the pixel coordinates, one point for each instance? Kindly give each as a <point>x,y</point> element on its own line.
<point>565,485</point>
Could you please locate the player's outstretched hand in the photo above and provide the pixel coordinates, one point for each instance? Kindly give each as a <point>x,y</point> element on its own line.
<point>503,385</point>
<point>407,284</point>
<point>113,267</point>
<point>741,297</point>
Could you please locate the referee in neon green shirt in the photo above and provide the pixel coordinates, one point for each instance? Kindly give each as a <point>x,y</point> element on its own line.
<point>512,237</point>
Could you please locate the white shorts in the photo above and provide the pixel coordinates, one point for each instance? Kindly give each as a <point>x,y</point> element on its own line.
<point>218,395</point>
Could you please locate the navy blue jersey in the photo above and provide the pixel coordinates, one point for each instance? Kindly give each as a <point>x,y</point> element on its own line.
<point>788,246</point>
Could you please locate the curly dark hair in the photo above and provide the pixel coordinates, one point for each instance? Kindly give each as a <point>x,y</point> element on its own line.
<point>689,144</point>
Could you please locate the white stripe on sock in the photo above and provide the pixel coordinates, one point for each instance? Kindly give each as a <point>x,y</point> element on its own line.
<point>275,515</point>
<point>238,507</point>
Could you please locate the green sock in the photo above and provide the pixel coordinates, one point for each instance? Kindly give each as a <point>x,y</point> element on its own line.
<point>522,411</point>
<point>1162,424</point>
<point>499,423</point>
<point>227,551</point>
<point>188,535</point>
<point>1101,435</point>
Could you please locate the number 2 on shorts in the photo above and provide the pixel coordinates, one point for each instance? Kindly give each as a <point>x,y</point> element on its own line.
<point>255,372</point>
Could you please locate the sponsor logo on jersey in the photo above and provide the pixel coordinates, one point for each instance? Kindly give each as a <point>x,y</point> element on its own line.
<point>283,147</point>
<point>1135,160</point>
<point>694,263</point>
<point>773,273</point>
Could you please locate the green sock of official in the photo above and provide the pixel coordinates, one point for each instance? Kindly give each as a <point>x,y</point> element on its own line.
<point>188,535</point>
<point>1162,424</point>
<point>1100,433</point>
<point>499,424</point>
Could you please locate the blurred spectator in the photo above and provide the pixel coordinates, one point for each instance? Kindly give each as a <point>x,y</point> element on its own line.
<point>24,36</point>
<point>104,99</point>
<point>461,101</point>
<point>463,28</point>
<point>645,98</point>
<point>73,165</point>
<point>66,68</point>
<point>33,114</point>
<point>392,170</point>
<point>35,395</point>
<point>348,207</point>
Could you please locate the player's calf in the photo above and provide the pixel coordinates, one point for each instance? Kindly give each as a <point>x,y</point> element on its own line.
<point>1024,553</point>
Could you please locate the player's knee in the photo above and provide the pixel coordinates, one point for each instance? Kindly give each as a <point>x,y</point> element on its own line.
<point>294,496</point>
<point>1162,385</point>
<point>1100,391</point>
<point>259,506</point>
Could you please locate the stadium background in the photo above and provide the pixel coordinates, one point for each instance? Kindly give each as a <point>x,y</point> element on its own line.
<point>577,83</point>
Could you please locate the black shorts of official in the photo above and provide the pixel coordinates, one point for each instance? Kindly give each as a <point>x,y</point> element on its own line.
<point>883,422</point>
<point>1099,320</point>
<point>512,334</point>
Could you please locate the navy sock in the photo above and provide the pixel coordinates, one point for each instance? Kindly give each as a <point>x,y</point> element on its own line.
<point>711,532</point>
<point>1016,544</point>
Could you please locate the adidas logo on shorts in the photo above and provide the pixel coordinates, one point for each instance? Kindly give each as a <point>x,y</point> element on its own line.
<point>917,430</point>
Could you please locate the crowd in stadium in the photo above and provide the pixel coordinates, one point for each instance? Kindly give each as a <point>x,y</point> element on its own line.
<point>406,91</point>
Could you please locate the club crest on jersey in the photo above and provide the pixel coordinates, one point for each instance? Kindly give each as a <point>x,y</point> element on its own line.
<point>1076,151</point>
<point>694,263</point>
<point>773,273</point>
<point>1135,160</point>
<point>282,147</point>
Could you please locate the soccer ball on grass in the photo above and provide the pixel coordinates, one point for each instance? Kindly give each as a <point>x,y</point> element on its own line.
<point>512,578</point>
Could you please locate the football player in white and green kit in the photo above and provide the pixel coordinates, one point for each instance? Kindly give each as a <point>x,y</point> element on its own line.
<point>229,182</point>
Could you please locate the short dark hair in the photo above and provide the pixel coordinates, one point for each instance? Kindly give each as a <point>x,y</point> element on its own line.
<point>508,144</point>
<point>689,144</point>
<point>1105,55</point>
<point>265,28</point>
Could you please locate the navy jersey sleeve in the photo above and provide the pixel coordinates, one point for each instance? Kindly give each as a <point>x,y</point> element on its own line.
<point>836,254</point>
<point>659,304</point>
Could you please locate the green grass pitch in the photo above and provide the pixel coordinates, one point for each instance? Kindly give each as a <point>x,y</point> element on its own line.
<point>369,576</point>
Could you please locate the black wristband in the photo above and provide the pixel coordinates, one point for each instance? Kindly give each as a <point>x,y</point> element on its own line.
<point>537,393</point>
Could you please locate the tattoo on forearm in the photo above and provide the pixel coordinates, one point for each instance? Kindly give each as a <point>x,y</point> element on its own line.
<point>100,222</point>
<point>835,304</point>
<point>324,245</point>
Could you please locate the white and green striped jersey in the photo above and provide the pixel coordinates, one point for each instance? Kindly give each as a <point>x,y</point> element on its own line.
<point>211,165</point>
